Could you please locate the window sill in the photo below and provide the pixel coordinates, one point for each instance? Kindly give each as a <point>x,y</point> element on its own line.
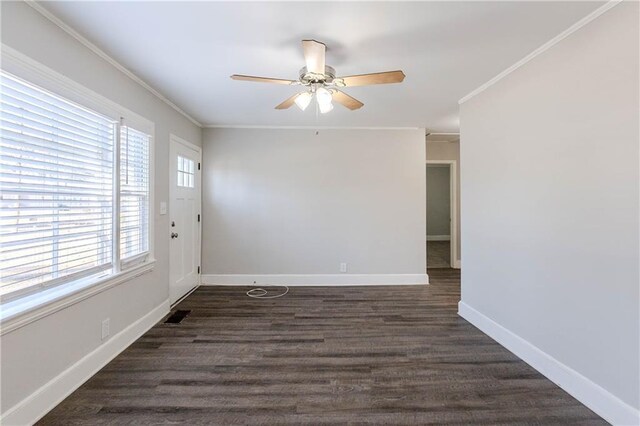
<point>17,313</point>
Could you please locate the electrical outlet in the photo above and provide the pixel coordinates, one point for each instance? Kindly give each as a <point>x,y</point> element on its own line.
<point>343,267</point>
<point>105,328</point>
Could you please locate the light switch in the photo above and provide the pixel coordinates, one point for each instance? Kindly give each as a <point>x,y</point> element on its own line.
<point>163,207</point>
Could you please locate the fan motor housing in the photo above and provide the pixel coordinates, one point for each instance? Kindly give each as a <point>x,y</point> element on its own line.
<point>307,77</point>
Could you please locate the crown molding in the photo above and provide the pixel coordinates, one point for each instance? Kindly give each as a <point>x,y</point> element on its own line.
<point>566,33</point>
<point>102,54</point>
<point>233,126</point>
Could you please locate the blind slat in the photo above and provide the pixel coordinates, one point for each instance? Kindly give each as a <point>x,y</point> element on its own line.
<point>17,128</point>
<point>29,91</point>
<point>47,161</point>
<point>60,225</point>
<point>34,253</point>
<point>19,101</point>
<point>33,247</point>
<point>37,119</point>
<point>6,218</point>
<point>71,269</point>
<point>20,139</point>
<point>57,259</point>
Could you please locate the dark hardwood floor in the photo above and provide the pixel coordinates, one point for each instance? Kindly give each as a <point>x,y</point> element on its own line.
<point>384,355</point>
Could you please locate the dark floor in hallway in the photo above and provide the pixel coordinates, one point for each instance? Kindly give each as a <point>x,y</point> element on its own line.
<point>382,355</point>
<point>438,254</point>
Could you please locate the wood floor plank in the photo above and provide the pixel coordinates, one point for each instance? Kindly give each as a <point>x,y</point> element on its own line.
<point>320,355</point>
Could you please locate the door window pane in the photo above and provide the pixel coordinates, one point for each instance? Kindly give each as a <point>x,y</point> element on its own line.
<point>186,172</point>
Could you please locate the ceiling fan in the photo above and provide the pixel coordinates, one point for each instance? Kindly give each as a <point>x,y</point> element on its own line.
<point>320,81</point>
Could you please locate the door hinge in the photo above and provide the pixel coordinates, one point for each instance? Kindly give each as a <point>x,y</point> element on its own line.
<point>198,269</point>
<point>198,166</point>
<point>198,218</point>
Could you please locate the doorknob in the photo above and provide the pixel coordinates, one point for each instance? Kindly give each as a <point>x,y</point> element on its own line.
<point>174,235</point>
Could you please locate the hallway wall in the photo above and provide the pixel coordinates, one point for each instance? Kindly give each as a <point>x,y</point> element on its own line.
<point>438,200</point>
<point>550,195</point>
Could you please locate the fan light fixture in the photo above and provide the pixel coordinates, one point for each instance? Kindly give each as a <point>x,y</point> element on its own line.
<point>324,98</point>
<point>326,108</point>
<point>303,100</point>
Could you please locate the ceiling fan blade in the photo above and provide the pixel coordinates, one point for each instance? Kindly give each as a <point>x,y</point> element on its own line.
<point>261,79</point>
<point>346,100</point>
<point>374,78</point>
<point>314,54</point>
<point>288,102</point>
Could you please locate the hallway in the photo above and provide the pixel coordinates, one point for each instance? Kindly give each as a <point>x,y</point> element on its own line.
<point>438,254</point>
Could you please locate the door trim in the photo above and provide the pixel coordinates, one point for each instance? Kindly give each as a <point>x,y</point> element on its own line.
<point>453,204</point>
<point>177,139</point>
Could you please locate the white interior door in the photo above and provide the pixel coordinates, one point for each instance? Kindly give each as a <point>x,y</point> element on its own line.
<point>184,210</point>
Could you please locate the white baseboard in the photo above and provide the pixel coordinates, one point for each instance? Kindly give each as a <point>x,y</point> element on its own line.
<point>601,401</point>
<point>438,237</point>
<point>35,406</point>
<point>316,279</point>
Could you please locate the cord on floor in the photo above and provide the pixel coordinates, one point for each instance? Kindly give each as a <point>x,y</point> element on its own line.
<point>261,293</point>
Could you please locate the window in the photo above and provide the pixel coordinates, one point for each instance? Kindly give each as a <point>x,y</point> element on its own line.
<point>134,193</point>
<point>186,172</point>
<point>58,190</point>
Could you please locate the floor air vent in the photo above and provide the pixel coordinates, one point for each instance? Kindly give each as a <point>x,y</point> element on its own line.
<point>177,317</point>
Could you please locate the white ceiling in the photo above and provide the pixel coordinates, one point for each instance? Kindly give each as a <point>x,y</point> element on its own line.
<point>188,50</point>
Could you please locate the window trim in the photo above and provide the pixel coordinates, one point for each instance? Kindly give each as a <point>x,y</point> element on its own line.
<point>22,308</point>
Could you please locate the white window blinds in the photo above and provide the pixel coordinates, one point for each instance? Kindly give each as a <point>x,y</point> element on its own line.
<point>134,192</point>
<point>74,189</point>
<point>56,182</point>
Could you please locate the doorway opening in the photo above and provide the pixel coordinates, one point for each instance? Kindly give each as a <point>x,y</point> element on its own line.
<point>441,238</point>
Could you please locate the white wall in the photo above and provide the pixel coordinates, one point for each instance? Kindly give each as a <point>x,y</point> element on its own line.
<point>36,353</point>
<point>449,151</point>
<point>293,202</point>
<point>438,200</point>
<point>550,211</point>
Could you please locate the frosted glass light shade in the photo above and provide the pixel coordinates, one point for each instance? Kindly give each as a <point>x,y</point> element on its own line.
<point>303,100</point>
<point>324,98</point>
<point>325,108</point>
